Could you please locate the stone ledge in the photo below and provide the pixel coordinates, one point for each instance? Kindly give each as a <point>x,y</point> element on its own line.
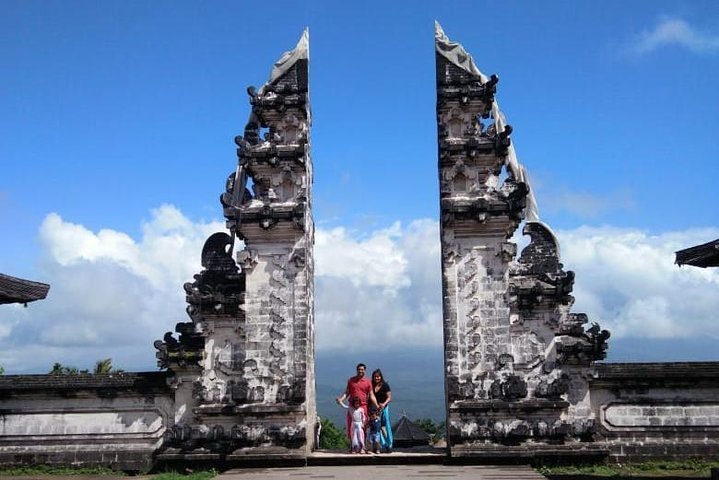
<point>141,382</point>
<point>115,458</point>
<point>430,456</point>
<point>261,456</point>
<point>684,374</point>
<point>524,453</point>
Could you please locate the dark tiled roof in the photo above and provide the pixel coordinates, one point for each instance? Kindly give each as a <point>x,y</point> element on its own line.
<point>17,290</point>
<point>706,255</point>
<point>404,429</point>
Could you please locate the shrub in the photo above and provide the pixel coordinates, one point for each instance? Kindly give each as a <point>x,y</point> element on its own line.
<point>332,437</point>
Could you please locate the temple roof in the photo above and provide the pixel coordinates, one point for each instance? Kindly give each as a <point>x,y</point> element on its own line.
<point>405,430</point>
<point>705,255</point>
<point>18,290</point>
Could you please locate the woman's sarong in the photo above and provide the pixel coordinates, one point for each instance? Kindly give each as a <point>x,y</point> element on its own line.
<point>385,438</point>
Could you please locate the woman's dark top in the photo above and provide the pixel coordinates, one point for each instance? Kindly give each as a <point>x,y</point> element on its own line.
<point>381,394</point>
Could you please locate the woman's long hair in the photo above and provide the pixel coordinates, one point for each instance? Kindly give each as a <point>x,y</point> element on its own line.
<point>381,377</point>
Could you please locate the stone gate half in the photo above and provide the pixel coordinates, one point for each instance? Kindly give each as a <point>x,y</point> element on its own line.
<point>516,361</point>
<point>244,365</point>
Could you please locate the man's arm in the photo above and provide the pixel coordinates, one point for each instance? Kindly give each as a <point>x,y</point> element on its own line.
<point>344,395</point>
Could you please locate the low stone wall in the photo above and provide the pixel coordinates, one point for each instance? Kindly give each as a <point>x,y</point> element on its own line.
<point>115,420</point>
<point>657,410</point>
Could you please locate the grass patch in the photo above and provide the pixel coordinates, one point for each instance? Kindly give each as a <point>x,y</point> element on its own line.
<point>34,470</point>
<point>687,468</point>
<point>203,475</point>
<point>40,470</point>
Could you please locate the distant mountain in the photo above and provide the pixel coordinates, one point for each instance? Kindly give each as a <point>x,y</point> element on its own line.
<point>704,349</point>
<point>416,377</point>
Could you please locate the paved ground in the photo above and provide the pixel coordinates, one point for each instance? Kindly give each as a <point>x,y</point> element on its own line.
<point>348,472</point>
<point>386,472</point>
<point>73,477</point>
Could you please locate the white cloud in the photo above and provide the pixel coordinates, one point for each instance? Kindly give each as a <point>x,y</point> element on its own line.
<point>381,289</point>
<point>670,31</point>
<point>627,280</point>
<point>112,295</point>
<point>373,261</point>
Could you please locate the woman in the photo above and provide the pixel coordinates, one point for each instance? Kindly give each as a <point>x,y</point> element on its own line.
<point>383,395</point>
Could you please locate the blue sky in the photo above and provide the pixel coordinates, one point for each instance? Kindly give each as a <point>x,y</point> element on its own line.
<point>116,133</point>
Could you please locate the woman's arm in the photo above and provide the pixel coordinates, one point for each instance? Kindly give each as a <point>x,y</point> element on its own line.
<point>389,399</point>
<point>373,399</point>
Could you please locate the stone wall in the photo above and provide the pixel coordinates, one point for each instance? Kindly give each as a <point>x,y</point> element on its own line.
<point>116,420</point>
<point>657,410</point>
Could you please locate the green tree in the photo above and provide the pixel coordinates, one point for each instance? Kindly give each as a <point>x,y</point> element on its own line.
<point>435,430</point>
<point>60,369</point>
<point>104,366</point>
<point>2,370</point>
<point>332,437</point>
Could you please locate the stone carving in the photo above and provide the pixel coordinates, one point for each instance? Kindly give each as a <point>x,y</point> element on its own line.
<point>582,347</point>
<point>217,290</point>
<point>511,387</point>
<point>552,388</point>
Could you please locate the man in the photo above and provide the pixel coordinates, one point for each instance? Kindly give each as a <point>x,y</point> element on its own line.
<point>361,388</point>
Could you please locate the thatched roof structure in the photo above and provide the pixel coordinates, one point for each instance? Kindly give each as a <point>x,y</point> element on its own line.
<point>706,255</point>
<point>18,290</point>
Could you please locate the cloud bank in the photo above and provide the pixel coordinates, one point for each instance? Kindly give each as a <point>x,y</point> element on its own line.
<point>112,295</point>
<point>670,31</point>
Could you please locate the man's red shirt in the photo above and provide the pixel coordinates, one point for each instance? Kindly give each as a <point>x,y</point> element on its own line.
<point>360,388</point>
